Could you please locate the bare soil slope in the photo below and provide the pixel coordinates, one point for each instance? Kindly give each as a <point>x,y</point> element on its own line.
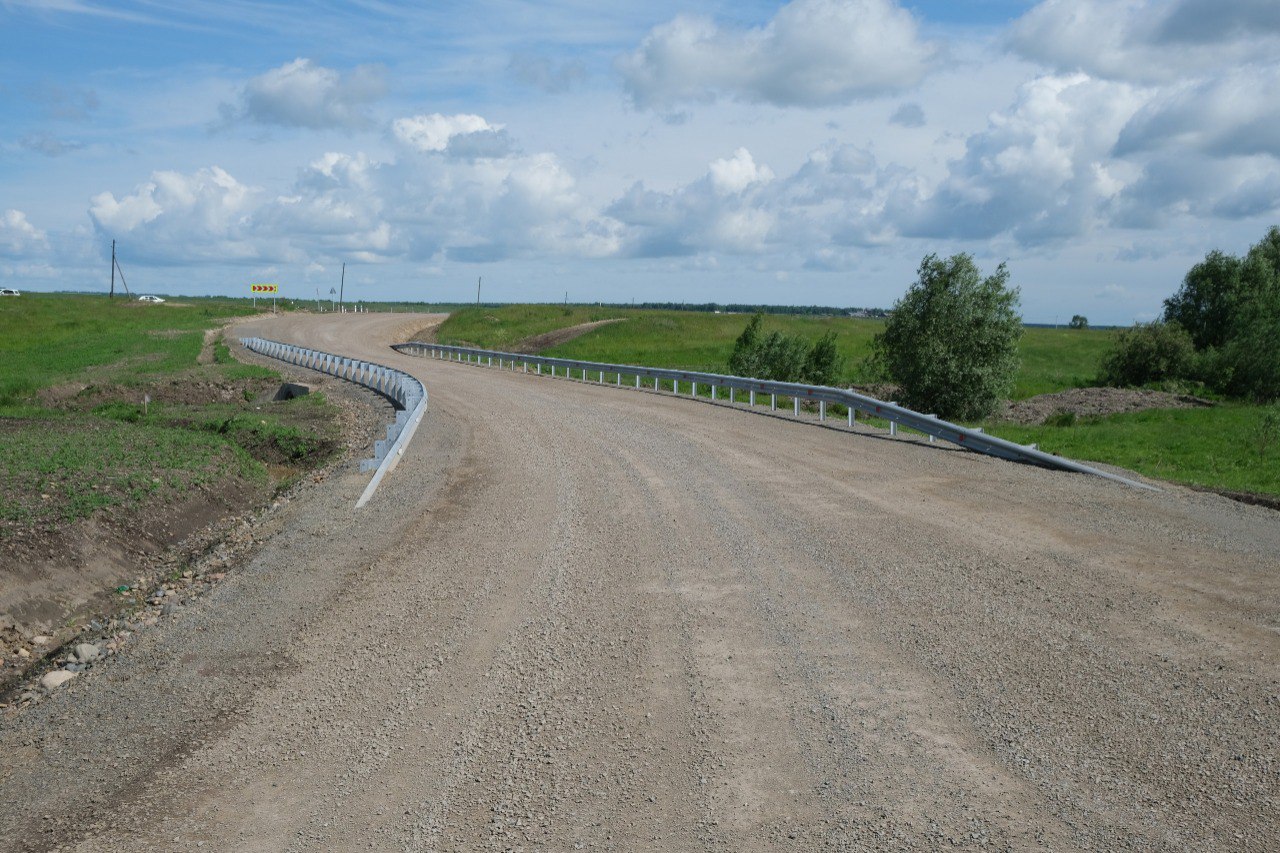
<point>585,617</point>
<point>547,340</point>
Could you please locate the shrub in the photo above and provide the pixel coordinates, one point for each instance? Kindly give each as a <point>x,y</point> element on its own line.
<point>1266,434</point>
<point>1148,352</point>
<point>782,357</point>
<point>822,365</point>
<point>951,343</point>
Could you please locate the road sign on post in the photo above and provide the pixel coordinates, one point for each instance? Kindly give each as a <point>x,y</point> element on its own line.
<point>262,290</point>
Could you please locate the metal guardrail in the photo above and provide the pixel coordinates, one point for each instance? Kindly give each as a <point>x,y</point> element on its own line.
<point>405,392</point>
<point>969,438</point>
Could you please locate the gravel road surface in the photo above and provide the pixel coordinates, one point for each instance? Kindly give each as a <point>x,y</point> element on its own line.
<point>578,617</point>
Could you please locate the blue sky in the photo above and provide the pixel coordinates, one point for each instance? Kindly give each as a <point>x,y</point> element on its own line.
<point>806,152</point>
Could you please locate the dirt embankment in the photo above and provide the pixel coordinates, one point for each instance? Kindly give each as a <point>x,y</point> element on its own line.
<point>65,578</point>
<point>1094,402</point>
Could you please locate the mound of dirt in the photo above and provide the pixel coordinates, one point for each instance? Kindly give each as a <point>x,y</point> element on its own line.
<point>1094,402</point>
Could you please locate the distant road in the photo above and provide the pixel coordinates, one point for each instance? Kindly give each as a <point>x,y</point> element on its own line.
<point>582,616</point>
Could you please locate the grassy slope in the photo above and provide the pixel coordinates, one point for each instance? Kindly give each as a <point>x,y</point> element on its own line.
<point>61,463</point>
<point>1209,447</point>
<point>1214,447</point>
<point>1053,359</point>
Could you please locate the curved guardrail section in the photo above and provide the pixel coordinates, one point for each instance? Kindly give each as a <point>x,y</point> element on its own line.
<point>930,425</point>
<point>405,392</point>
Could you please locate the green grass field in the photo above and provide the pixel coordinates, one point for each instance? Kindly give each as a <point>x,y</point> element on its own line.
<point>75,434</point>
<point>1206,447</point>
<point>47,339</point>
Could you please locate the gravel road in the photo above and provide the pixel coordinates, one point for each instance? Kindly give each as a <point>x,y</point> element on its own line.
<point>578,617</point>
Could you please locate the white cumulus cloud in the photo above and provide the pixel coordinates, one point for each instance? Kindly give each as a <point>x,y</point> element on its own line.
<point>433,132</point>
<point>176,217</point>
<point>1040,171</point>
<point>1148,40</point>
<point>303,94</point>
<point>18,237</point>
<point>812,53</point>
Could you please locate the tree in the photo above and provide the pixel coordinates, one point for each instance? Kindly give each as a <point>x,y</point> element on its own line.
<point>1079,321</point>
<point>1206,302</point>
<point>1230,306</point>
<point>951,343</point>
<point>1148,352</point>
<point>1220,294</point>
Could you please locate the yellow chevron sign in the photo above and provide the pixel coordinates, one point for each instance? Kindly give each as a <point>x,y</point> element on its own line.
<point>264,288</point>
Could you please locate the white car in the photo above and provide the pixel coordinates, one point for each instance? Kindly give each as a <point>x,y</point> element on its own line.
<point>9,291</point>
<point>147,298</point>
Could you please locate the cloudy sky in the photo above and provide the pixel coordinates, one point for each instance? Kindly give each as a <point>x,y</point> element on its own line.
<point>805,153</point>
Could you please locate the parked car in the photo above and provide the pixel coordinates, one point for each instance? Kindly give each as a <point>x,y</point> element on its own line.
<point>9,291</point>
<point>149,298</point>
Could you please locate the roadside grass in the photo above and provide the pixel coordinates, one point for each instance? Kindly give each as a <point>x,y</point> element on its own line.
<point>1213,447</point>
<point>66,455</point>
<point>73,467</point>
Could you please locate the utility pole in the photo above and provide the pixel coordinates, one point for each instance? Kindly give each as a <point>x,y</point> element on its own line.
<point>342,287</point>
<point>115,268</point>
<point>478,280</point>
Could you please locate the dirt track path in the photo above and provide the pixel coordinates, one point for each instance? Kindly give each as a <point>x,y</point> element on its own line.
<point>586,618</point>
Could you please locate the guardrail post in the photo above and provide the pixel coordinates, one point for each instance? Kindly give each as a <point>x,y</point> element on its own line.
<point>822,410</point>
<point>753,396</point>
<point>693,386</point>
<point>637,380</point>
<point>773,402</point>
<point>851,415</point>
<point>619,380</point>
<point>796,400</point>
